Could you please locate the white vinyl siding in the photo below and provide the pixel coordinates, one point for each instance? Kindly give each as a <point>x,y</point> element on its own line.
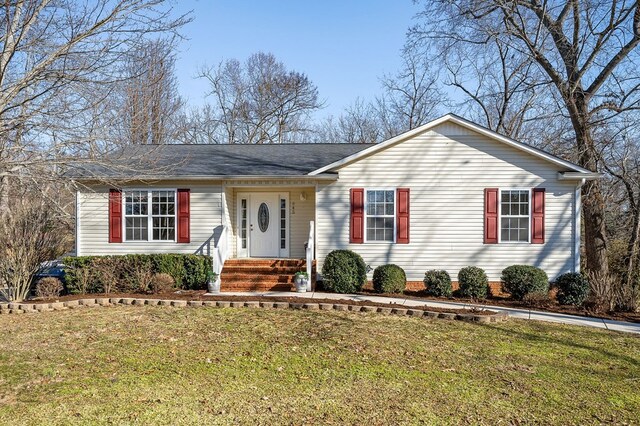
<point>447,170</point>
<point>206,220</point>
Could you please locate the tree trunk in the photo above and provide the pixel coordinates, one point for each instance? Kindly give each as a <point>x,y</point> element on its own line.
<point>595,240</point>
<point>4,194</point>
<point>633,249</point>
<point>593,206</point>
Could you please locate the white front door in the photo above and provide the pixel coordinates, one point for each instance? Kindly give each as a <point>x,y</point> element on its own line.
<point>264,213</point>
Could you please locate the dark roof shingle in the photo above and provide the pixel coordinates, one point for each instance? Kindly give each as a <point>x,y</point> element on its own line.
<point>216,160</point>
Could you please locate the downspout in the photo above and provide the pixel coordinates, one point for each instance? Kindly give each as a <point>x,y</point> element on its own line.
<point>77,250</point>
<point>577,203</point>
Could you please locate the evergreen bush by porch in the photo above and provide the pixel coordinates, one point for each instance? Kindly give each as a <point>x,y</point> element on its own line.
<point>523,280</point>
<point>473,282</point>
<point>344,271</point>
<point>573,289</point>
<point>389,279</point>
<point>437,283</point>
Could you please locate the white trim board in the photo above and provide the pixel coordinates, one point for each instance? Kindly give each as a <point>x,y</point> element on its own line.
<point>463,123</point>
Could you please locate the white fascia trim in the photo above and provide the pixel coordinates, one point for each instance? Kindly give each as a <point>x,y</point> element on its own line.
<point>579,176</point>
<point>462,122</point>
<point>327,177</point>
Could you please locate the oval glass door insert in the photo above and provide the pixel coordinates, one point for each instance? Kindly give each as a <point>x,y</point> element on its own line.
<point>263,217</point>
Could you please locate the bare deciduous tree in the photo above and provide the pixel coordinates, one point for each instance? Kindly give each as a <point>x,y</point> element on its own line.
<point>587,50</point>
<point>30,233</point>
<point>59,62</point>
<point>357,124</point>
<point>151,100</point>
<point>259,101</point>
<point>411,97</point>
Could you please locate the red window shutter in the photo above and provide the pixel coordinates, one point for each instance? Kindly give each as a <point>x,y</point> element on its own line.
<point>184,216</point>
<point>537,216</point>
<point>402,226</point>
<point>115,216</point>
<point>357,216</point>
<point>491,216</point>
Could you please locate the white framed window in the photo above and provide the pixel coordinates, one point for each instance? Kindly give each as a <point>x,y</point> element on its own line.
<point>149,215</point>
<point>380,215</point>
<point>283,223</point>
<point>243,223</point>
<point>515,215</point>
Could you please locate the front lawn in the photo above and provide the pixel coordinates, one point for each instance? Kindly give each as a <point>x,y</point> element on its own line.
<point>141,365</point>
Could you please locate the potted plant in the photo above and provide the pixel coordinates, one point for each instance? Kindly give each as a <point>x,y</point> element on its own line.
<point>301,280</point>
<point>213,283</point>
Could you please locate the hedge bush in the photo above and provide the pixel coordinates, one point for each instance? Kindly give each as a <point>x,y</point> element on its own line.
<point>162,283</point>
<point>523,280</point>
<point>389,279</point>
<point>133,272</point>
<point>438,283</point>
<point>573,289</point>
<point>344,271</point>
<point>473,282</point>
<point>49,287</point>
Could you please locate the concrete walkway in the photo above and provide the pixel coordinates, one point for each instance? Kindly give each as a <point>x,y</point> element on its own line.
<point>519,313</point>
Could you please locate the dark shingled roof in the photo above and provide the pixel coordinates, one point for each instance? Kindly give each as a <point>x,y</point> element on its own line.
<point>216,160</point>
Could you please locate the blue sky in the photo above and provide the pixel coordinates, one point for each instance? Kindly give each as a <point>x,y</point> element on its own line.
<point>343,46</point>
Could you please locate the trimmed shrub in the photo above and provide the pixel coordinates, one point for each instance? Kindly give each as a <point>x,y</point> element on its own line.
<point>344,271</point>
<point>522,280</point>
<point>49,287</point>
<point>134,272</point>
<point>573,289</point>
<point>438,283</point>
<point>473,282</point>
<point>162,283</point>
<point>389,279</point>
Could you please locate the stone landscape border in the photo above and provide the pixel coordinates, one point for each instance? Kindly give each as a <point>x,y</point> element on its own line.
<point>20,308</point>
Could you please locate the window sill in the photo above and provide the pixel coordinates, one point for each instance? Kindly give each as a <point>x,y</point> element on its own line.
<point>148,241</point>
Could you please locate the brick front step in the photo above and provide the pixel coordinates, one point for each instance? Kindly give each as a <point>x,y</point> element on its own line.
<point>261,274</point>
<point>225,278</point>
<point>256,287</point>
<point>266,262</point>
<point>250,269</point>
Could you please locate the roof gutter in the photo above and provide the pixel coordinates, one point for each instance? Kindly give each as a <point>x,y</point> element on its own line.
<point>579,176</point>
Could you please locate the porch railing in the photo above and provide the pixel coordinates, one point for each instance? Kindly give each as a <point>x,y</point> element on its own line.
<point>220,253</point>
<point>310,253</point>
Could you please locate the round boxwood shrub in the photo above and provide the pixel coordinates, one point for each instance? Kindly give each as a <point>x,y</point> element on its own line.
<point>573,289</point>
<point>344,271</point>
<point>473,282</point>
<point>523,280</point>
<point>389,279</point>
<point>438,283</point>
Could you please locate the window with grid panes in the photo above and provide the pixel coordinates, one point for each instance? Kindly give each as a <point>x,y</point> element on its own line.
<point>380,212</point>
<point>514,216</point>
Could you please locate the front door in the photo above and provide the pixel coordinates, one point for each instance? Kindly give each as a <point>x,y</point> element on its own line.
<point>263,225</point>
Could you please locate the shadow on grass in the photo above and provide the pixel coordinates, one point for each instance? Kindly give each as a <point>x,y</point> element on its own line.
<point>545,338</point>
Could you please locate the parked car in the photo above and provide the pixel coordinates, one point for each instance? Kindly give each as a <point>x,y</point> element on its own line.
<point>52,268</point>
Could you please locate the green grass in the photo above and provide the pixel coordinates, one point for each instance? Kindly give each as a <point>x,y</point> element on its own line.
<point>141,365</point>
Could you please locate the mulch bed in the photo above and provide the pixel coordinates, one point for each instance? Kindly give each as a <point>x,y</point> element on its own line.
<point>550,306</point>
<point>200,295</point>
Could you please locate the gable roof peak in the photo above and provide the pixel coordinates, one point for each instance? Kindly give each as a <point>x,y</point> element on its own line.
<point>463,122</point>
